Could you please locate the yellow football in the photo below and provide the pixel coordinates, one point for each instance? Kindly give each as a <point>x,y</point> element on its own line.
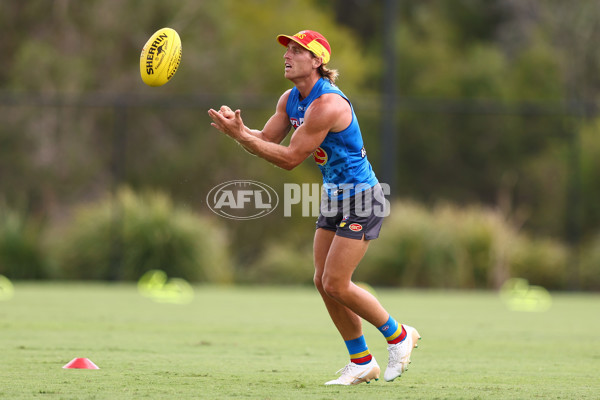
<point>160,57</point>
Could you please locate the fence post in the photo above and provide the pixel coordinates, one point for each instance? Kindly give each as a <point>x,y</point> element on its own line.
<point>573,210</point>
<point>389,142</point>
<point>117,168</point>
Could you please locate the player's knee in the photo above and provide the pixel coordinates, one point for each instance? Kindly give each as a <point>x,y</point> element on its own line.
<point>334,288</point>
<point>318,281</point>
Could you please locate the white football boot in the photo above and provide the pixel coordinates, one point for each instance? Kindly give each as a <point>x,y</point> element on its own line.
<point>399,357</point>
<point>353,374</point>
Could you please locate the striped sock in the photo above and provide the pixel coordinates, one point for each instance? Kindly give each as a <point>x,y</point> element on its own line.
<point>393,332</point>
<point>359,352</point>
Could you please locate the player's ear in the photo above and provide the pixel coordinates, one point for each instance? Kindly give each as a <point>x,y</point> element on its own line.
<point>317,61</point>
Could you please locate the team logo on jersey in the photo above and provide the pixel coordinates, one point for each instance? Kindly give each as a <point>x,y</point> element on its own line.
<point>363,152</point>
<point>320,156</point>
<point>355,227</point>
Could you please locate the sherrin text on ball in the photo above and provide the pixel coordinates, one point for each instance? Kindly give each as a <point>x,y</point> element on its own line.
<point>160,57</point>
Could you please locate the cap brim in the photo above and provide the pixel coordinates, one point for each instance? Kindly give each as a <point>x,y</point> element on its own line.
<point>284,40</point>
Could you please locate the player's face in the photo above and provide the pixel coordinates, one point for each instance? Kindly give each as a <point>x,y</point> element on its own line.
<point>299,62</point>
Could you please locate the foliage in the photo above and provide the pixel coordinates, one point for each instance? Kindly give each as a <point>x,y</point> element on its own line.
<point>282,264</point>
<point>588,147</point>
<point>95,47</point>
<point>125,235</point>
<point>542,262</point>
<point>448,247</point>
<point>589,266</point>
<point>82,144</point>
<point>442,247</point>
<point>22,255</point>
<point>493,103</point>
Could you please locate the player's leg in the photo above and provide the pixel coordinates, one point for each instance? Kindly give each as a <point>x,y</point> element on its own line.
<point>346,321</point>
<point>362,367</point>
<point>343,257</point>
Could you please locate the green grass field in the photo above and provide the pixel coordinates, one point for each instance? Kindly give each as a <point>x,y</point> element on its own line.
<point>278,343</point>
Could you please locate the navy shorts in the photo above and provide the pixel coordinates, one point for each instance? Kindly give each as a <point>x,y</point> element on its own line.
<point>355,217</point>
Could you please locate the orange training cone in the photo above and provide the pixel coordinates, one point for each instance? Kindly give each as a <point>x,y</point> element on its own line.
<point>81,363</point>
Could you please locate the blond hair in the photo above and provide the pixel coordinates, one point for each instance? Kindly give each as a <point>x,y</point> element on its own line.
<point>330,74</point>
<point>324,72</point>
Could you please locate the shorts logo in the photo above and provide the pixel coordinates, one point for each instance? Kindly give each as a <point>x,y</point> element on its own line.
<point>344,220</point>
<point>355,227</point>
<point>320,156</point>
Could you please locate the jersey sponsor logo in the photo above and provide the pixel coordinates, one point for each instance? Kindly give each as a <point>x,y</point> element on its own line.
<point>320,156</point>
<point>355,227</point>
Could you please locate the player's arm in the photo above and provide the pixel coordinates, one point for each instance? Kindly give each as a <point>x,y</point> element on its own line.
<point>278,126</point>
<point>323,115</point>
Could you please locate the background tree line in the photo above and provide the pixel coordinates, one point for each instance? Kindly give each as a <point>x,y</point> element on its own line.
<point>495,105</point>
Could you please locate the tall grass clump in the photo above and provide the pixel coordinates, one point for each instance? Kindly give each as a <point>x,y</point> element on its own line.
<point>126,234</point>
<point>21,246</point>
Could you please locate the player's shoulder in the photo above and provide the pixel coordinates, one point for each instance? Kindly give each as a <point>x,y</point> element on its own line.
<point>286,95</point>
<point>330,102</point>
<point>283,99</point>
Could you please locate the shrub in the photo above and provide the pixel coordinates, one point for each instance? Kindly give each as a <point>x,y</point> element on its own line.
<point>125,235</point>
<point>589,272</point>
<point>543,262</point>
<point>282,264</point>
<point>450,247</point>
<point>21,250</point>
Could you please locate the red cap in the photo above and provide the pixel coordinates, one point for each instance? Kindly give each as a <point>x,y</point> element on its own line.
<point>310,40</point>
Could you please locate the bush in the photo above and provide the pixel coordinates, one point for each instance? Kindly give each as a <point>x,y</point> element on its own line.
<point>282,264</point>
<point>125,235</point>
<point>543,262</point>
<point>21,250</point>
<point>449,247</point>
<point>589,272</point>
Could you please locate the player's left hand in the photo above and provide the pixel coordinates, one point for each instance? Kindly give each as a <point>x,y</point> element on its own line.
<point>231,125</point>
<point>226,112</point>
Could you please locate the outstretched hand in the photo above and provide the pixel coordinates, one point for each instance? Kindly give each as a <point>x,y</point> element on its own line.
<point>228,121</point>
<point>226,112</point>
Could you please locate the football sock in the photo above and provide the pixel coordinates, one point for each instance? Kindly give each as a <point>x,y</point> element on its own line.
<point>392,331</point>
<point>359,352</point>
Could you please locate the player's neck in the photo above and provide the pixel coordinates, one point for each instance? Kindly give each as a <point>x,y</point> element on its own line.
<point>305,85</point>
